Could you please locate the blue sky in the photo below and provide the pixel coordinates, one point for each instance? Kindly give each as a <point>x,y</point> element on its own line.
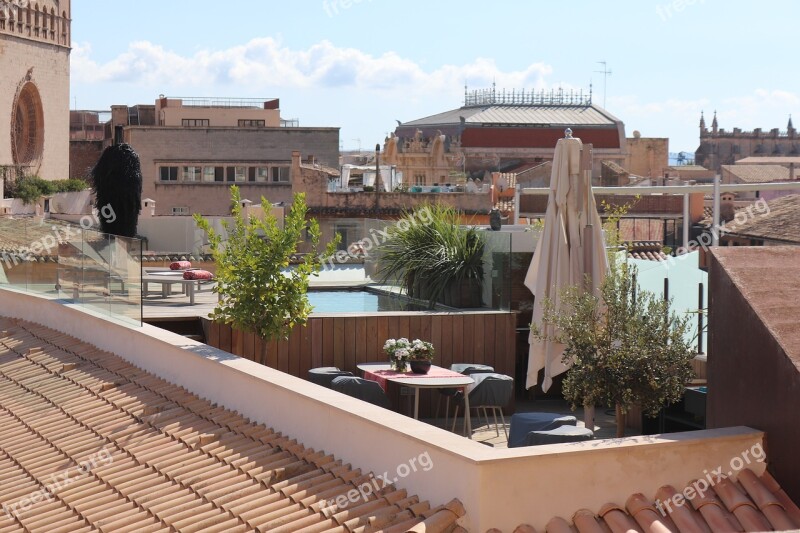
<point>362,64</point>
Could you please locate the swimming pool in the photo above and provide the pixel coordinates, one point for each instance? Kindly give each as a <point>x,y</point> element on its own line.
<point>359,301</point>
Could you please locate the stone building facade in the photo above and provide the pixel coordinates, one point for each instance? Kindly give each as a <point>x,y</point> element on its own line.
<point>647,157</point>
<point>720,147</point>
<point>193,150</point>
<point>34,88</point>
<point>500,132</point>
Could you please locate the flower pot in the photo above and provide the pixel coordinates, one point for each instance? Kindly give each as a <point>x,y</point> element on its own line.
<point>397,366</point>
<point>420,367</point>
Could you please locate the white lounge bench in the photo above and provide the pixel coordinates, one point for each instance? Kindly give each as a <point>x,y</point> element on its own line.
<point>168,278</point>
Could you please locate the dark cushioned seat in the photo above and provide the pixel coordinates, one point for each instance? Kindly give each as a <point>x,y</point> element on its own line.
<point>470,368</point>
<point>363,389</point>
<point>558,435</point>
<point>325,374</point>
<point>524,423</point>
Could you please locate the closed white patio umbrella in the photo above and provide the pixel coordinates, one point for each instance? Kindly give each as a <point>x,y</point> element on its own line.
<point>571,245</point>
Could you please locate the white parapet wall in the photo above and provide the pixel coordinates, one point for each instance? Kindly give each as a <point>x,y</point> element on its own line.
<point>499,488</point>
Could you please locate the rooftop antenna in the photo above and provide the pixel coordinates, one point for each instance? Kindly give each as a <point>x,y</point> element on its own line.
<point>606,72</point>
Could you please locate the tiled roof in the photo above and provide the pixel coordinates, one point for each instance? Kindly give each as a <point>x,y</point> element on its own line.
<point>646,250</point>
<point>758,173</point>
<point>692,168</point>
<point>321,168</point>
<point>554,115</point>
<point>782,223</point>
<point>750,503</point>
<point>156,457</point>
<point>777,160</point>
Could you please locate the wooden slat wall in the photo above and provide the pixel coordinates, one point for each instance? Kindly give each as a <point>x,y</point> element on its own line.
<point>346,341</point>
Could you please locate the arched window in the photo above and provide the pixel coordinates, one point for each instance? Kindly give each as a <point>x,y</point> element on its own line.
<point>27,133</point>
<point>2,19</point>
<point>52,24</point>
<point>64,28</point>
<point>36,20</point>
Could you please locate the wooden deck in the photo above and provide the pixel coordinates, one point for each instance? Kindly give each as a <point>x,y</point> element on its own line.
<point>344,340</point>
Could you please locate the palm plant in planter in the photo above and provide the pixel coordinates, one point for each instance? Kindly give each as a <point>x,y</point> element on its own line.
<point>434,257</point>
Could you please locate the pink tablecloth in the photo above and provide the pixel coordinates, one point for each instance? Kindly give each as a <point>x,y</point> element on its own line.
<point>382,376</point>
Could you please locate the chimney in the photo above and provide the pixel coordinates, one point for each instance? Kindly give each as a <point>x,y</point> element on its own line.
<point>246,208</point>
<point>148,207</point>
<point>295,171</point>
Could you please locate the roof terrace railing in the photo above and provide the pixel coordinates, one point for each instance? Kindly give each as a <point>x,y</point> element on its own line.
<point>213,101</point>
<point>481,97</point>
<point>685,190</point>
<point>69,262</point>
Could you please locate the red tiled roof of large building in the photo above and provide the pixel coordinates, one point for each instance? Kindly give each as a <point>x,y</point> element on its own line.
<point>750,503</point>
<point>90,442</point>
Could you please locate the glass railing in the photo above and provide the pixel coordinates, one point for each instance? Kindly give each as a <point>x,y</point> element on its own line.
<point>681,280</point>
<point>504,268</point>
<point>73,264</point>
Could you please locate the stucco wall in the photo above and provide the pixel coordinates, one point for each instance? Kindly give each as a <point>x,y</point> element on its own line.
<point>223,116</point>
<point>223,147</point>
<point>753,364</point>
<point>499,488</point>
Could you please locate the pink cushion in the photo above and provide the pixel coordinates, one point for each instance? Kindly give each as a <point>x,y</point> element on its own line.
<point>180,265</point>
<point>198,274</point>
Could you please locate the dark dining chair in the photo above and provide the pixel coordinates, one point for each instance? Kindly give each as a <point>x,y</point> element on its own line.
<point>363,389</point>
<point>491,391</point>
<point>461,368</point>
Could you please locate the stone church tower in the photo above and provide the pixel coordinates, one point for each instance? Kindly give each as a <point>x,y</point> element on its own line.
<point>35,41</point>
<point>719,147</point>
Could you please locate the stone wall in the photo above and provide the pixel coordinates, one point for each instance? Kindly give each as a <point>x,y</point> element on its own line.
<point>647,156</point>
<point>83,156</point>
<point>21,53</point>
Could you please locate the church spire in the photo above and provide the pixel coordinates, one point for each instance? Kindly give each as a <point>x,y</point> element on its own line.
<point>790,127</point>
<point>714,125</point>
<point>702,122</point>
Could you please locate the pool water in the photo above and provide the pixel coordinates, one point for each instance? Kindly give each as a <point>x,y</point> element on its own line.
<point>359,301</point>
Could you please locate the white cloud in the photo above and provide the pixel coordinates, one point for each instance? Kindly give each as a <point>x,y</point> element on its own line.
<point>679,119</point>
<point>266,62</point>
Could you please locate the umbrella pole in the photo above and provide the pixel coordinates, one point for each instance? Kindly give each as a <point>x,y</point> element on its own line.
<point>588,246</point>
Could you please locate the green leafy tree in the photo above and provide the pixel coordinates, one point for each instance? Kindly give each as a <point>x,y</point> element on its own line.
<point>256,290</point>
<point>30,188</point>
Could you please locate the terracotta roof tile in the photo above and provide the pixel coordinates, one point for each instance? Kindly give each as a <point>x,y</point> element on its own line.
<point>781,223</point>
<point>758,173</point>
<point>749,503</point>
<point>158,458</point>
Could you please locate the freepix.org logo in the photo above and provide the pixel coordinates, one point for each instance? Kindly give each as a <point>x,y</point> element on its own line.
<point>10,7</point>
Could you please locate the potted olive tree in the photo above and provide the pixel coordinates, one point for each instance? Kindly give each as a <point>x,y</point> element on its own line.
<point>625,347</point>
